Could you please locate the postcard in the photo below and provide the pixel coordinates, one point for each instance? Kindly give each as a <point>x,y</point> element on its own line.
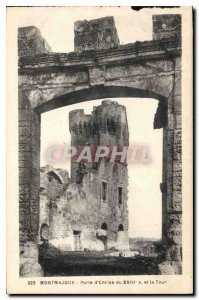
<point>99,150</point>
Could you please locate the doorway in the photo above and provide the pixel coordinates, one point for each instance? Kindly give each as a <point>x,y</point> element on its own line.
<point>44,232</point>
<point>77,240</point>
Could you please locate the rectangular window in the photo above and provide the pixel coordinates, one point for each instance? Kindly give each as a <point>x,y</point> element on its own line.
<point>119,195</point>
<point>104,191</point>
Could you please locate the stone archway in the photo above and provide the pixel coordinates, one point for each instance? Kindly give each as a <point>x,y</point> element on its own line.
<point>49,80</point>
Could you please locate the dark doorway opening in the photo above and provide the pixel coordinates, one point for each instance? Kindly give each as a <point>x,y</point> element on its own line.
<point>77,240</point>
<point>120,227</point>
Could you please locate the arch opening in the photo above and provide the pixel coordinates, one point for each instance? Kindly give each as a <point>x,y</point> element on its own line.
<point>44,232</point>
<point>137,187</point>
<point>121,227</point>
<point>95,93</point>
<point>104,226</point>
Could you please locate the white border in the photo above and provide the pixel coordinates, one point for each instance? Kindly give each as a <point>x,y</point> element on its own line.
<point>3,5</point>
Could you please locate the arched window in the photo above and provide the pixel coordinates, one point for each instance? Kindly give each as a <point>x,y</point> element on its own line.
<point>44,232</point>
<point>120,227</point>
<point>104,226</point>
<point>51,175</point>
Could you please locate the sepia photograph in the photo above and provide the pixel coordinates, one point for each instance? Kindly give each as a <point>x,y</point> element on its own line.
<point>100,165</point>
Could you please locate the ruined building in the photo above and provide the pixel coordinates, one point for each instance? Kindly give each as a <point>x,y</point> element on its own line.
<point>100,67</point>
<point>89,211</point>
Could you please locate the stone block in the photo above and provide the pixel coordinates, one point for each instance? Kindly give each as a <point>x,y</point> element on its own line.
<point>96,34</point>
<point>177,85</point>
<point>175,219</point>
<point>177,144</point>
<point>177,168</point>
<point>177,105</point>
<point>166,26</point>
<point>29,266</point>
<point>171,267</point>
<point>178,121</point>
<point>175,231</point>
<point>170,122</point>
<point>177,201</point>
<point>30,42</point>
<point>178,64</point>
<point>169,146</point>
<point>174,253</point>
<point>96,76</point>
<point>177,183</point>
<point>25,115</point>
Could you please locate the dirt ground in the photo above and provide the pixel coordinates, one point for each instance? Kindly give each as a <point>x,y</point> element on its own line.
<point>57,263</point>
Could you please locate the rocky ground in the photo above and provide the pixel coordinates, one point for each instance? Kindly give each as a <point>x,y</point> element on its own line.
<point>57,263</point>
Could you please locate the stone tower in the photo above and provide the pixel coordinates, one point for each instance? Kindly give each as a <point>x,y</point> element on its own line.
<point>106,126</point>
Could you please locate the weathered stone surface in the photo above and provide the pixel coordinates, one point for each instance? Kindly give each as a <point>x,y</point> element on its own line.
<point>177,84</point>
<point>170,123</point>
<point>178,105</point>
<point>29,144</point>
<point>177,145</point>
<point>52,80</point>
<point>174,253</point>
<point>139,69</point>
<point>161,116</point>
<point>97,76</point>
<point>171,268</point>
<point>29,265</point>
<point>174,233</point>
<point>80,206</point>
<point>177,168</point>
<point>177,201</point>
<point>177,183</point>
<point>166,26</point>
<point>178,121</point>
<point>95,34</point>
<point>30,42</point>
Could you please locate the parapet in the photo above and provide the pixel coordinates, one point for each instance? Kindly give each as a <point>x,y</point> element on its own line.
<point>166,26</point>
<point>76,116</point>
<point>30,42</point>
<point>96,34</point>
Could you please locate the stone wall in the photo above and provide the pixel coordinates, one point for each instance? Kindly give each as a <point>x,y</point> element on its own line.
<point>95,34</point>
<point>30,42</point>
<point>79,206</point>
<point>166,26</point>
<point>106,126</point>
<point>47,81</point>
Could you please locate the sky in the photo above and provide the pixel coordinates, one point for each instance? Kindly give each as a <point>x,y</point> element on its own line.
<point>144,196</point>
<point>57,23</point>
<point>56,26</point>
